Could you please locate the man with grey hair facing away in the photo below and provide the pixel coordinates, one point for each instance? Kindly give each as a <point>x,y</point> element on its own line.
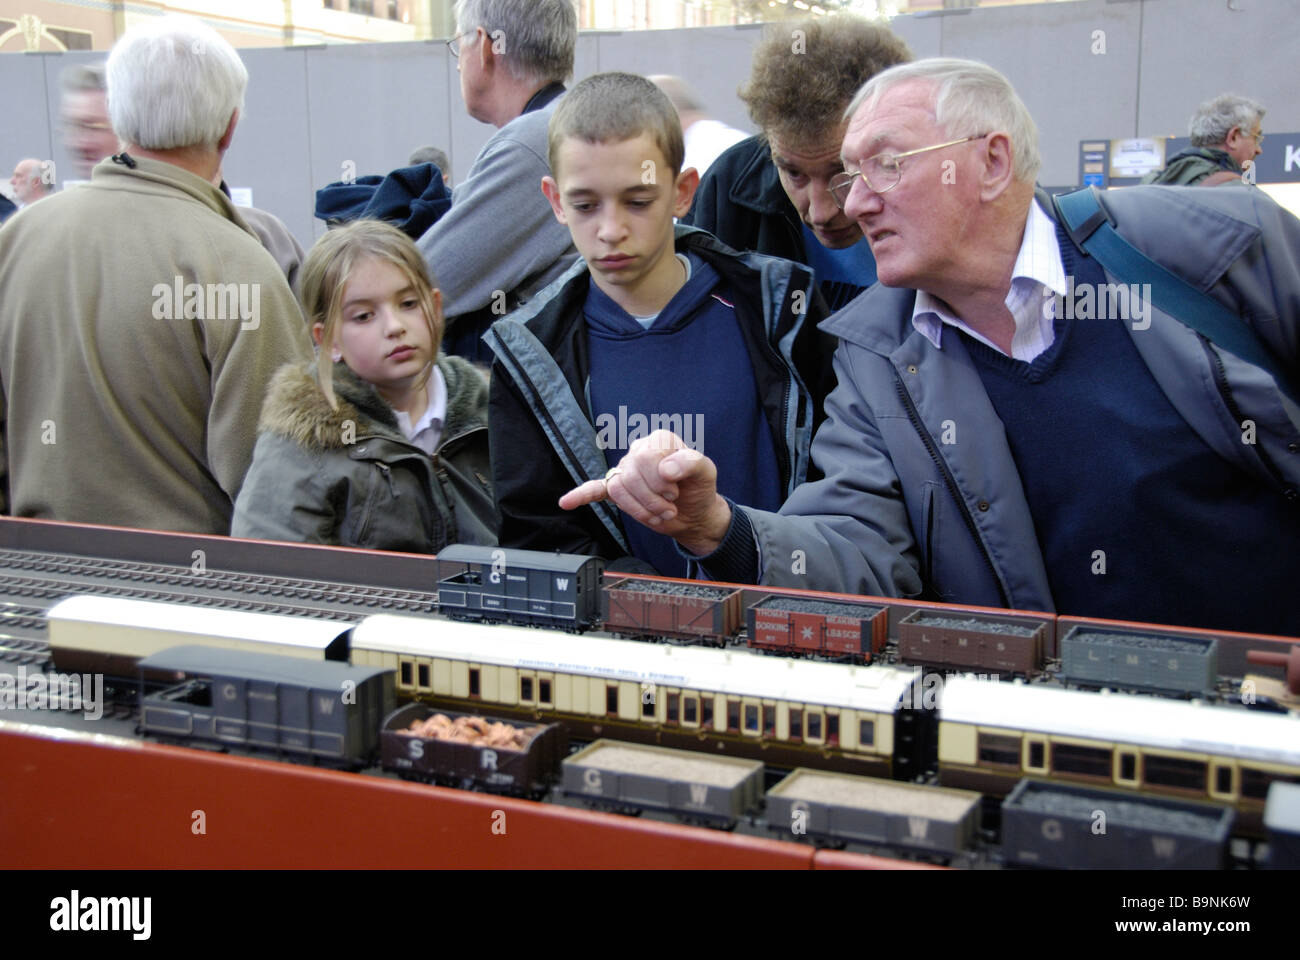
<point>499,243</point>
<point>435,156</point>
<point>1226,135</point>
<point>140,319</point>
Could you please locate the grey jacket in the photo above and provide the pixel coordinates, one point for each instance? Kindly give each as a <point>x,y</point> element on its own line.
<point>349,477</point>
<point>500,233</point>
<point>899,510</point>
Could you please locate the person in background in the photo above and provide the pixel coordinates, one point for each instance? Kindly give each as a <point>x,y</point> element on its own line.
<point>770,193</point>
<point>652,325</point>
<point>1226,135</point>
<point>705,137</point>
<point>435,156</point>
<point>381,442</point>
<point>140,319</point>
<point>29,183</point>
<point>499,245</point>
<point>83,112</point>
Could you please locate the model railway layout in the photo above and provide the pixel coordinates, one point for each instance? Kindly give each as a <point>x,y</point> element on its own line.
<point>821,690</point>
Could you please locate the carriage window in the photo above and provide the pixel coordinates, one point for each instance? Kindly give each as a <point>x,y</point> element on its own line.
<point>611,698</point>
<point>526,688</point>
<point>648,703</point>
<point>1128,766</point>
<point>751,719</point>
<point>1084,761</point>
<point>1003,751</point>
<point>814,725</point>
<point>866,733</point>
<point>690,709</point>
<point>406,673</point>
<point>1037,755</point>
<point>796,724</point>
<point>769,721</point>
<point>706,712</point>
<point>673,700</point>
<point>733,715</point>
<point>544,691</point>
<point>473,681</point>
<point>1254,783</point>
<point>1223,780</point>
<point>833,728</point>
<point>423,672</point>
<point>1173,772</point>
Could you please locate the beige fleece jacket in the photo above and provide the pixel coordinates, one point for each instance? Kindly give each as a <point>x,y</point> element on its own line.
<point>140,322</point>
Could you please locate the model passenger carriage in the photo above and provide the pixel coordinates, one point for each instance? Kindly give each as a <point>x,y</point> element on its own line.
<point>992,734</point>
<point>519,586</point>
<point>783,711</point>
<point>98,634</point>
<point>319,711</point>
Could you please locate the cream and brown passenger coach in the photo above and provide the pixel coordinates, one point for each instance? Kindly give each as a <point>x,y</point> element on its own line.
<point>751,704</point>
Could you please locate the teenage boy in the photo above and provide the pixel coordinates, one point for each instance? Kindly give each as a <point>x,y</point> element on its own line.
<point>578,372</point>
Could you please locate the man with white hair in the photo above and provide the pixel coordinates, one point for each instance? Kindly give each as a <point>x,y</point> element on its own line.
<point>29,182</point>
<point>140,319</point>
<point>499,243</point>
<point>1226,134</point>
<point>997,436</point>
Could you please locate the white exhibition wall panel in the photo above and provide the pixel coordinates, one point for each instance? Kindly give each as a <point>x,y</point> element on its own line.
<point>1075,65</point>
<point>1194,51</point>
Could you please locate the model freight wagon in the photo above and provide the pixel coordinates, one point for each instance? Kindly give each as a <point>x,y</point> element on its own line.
<point>696,787</point>
<point>984,642</point>
<point>1139,661</point>
<point>321,711</point>
<point>665,608</point>
<point>526,767</point>
<point>519,586</point>
<point>839,806</point>
<point>822,627</point>
<point>1063,825</point>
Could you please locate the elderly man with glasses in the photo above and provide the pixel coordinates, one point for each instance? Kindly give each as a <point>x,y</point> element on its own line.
<point>499,244</point>
<point>998,436</point>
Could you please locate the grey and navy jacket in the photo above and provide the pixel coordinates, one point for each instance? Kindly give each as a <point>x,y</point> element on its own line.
<point>349,477</point>
<point>899,512</point>
<point>543,439</point>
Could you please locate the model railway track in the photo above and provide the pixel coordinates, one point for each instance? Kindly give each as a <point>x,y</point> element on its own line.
<point>63,577</point>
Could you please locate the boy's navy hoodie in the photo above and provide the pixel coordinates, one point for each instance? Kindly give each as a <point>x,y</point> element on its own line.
<point>737,345</point>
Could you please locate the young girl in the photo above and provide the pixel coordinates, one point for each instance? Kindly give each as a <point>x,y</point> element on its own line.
<point>381,443</point>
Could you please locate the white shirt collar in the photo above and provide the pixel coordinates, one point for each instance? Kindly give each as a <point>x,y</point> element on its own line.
<point>1038,268</point>
<point>427,431</point>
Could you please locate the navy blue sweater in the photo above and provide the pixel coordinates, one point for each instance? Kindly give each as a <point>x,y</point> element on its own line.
<point>1126,497</point>
<point>689,372</point>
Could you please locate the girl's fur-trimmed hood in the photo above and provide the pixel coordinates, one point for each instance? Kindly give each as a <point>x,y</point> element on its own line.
<point>296,409</point>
